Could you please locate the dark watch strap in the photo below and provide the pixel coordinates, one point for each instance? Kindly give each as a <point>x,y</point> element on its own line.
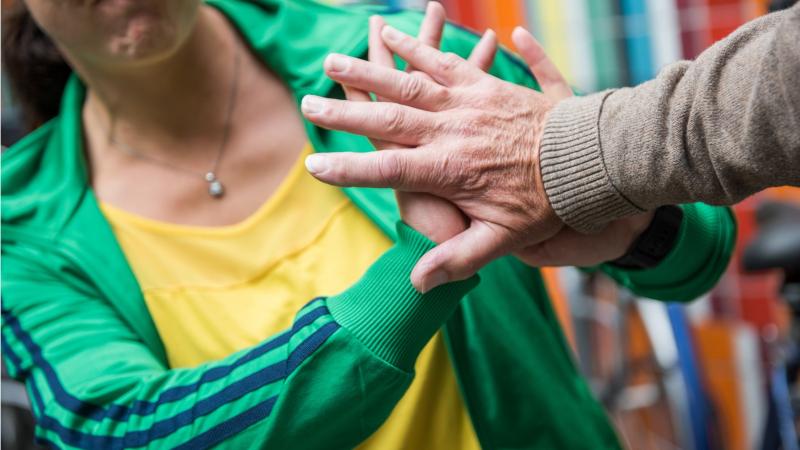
<point>650,248</point>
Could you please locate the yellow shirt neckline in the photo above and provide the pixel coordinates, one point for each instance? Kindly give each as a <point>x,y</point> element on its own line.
<point>278,198</point>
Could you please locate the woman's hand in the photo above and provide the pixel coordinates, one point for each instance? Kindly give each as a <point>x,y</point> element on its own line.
<point>435,217</point>
<point>570,248</point>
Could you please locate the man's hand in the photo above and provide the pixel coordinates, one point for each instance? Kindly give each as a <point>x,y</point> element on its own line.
<point>474,140</point>
<point>435,217</point>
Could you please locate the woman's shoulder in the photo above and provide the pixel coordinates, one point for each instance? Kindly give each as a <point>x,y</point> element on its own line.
<point>34,140</point>
<point>21,161</point>
<point>35,178</point>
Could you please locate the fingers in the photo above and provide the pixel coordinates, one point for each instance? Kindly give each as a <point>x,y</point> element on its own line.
<point>459,258</point>
<point>482,55</point>
<point>430,31</point>
<point>553,84</point>
<point>398,169</point>
<point>387,83</point>
<point>385,121</point>
<point>379,53</point>
<point>446,68</point>
<point>355,95</point>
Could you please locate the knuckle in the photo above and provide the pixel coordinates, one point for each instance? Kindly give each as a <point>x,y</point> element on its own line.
<point>411,90</point>
<point>414,46</point>
<point>390,169</point>
<point>421,74</point>
<point>442,97</point>
<point>393,120</point>
<point>449,62</point>
<point>450,174</point>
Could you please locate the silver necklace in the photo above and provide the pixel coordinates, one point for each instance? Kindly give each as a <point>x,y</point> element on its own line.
<point>215,187</point>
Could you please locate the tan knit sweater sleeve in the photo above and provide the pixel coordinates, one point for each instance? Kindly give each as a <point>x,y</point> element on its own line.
<point>715,130</point>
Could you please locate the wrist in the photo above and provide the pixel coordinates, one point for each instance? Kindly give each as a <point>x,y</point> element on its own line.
<point>574,172</point>
<point>653,236</point>
<point>639,224</point>
<point>386,313</point>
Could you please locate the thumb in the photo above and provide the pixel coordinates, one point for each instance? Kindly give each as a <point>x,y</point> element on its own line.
<point>460,257</point>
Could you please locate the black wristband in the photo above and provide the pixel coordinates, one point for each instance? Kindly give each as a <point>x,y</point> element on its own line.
<point>650,248</point>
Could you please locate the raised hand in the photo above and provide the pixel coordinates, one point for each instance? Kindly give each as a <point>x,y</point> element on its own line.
<point>463,135</point>
<point>455,121</point>
<point>432,216</point>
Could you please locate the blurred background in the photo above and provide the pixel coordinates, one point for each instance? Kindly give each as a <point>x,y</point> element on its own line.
<point>719,373</point>
<point>600,44</point>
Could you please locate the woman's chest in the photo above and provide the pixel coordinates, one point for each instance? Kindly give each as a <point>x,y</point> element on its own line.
<point>213,291</point>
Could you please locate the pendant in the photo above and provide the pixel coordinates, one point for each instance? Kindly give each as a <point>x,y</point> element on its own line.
<point>215,187</point>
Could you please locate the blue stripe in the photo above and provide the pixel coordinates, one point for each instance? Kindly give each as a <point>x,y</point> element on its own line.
<point>120,412</point>
<point>228,428</point>
<point>261,411</point>
<point>304,350</point>
<point>165,427</point>
<point>14,360</point>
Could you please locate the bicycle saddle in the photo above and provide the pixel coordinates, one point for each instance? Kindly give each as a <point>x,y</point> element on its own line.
<point>777,242</point>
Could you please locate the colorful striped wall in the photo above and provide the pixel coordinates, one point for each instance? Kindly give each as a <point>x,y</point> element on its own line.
<point>600,44</point>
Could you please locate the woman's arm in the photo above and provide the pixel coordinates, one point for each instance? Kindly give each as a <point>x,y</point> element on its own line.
<point>698,258</point>
<point>328,382</point>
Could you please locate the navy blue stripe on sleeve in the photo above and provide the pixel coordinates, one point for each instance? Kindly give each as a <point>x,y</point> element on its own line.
<point>259,412</point>
<point>122,413</point>
<point>168,426</point>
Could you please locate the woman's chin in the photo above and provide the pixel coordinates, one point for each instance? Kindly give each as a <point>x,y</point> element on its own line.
<point>142,43</point>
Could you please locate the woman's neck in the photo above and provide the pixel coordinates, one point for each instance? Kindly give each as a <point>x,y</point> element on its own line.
<point>180,98</point>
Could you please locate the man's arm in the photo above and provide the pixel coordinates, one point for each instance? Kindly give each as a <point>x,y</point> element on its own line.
<point>714,130</point>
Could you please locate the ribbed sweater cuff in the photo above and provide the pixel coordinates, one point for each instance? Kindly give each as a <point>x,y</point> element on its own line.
<point>386,313</point>
<point>573,170</point>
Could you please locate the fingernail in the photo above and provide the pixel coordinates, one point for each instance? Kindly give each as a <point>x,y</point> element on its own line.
<point>315,164</point>
<point>434,280</point>
<point>311,104</point>
<point>337,63</point>
<point>391,34</point>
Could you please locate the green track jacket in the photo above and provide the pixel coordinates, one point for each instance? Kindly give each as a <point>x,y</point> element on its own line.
<point>77,330</point>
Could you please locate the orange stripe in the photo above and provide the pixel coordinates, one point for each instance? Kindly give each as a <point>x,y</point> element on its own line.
<point>559,301</point>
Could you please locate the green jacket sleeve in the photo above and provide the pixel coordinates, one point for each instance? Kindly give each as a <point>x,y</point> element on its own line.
<point>696,262</point>
<point>328,382</point>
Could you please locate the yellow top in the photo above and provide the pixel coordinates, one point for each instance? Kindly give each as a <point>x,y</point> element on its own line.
<point>214,290</point>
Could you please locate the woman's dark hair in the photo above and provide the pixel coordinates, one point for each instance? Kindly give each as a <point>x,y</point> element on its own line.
<point>33,65</point>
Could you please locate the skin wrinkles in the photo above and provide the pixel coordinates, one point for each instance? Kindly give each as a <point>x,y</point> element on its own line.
<point>468,138</point>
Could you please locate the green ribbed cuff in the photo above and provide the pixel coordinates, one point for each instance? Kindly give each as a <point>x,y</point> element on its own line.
<point>386,313</point>
<point>696,262</point>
